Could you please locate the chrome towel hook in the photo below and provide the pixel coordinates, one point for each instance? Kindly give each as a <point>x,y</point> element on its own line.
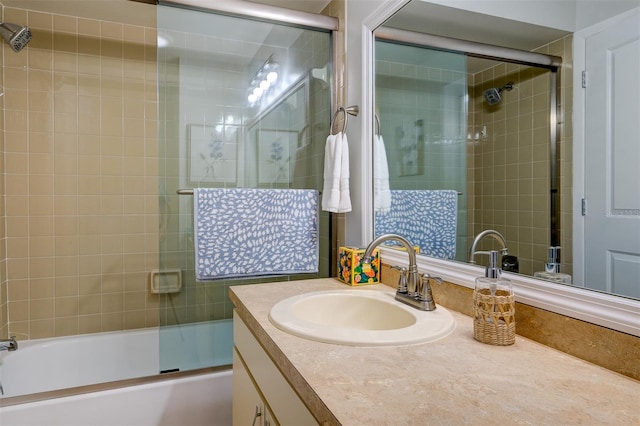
<point>350,110</point>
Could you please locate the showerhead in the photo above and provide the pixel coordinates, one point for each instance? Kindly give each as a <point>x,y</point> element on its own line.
<point>493,95</point>
<point>15,35</point>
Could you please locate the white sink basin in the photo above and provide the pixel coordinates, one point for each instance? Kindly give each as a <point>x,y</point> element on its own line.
<point>358,317</point>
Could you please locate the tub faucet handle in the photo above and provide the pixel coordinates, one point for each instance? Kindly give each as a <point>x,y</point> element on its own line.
<point>9,344</point>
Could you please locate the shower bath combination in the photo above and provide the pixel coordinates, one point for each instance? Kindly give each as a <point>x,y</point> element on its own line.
<point>16,35</point>
<point>493,95</point>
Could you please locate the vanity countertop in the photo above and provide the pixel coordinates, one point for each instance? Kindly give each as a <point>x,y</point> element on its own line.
<point>455,380</point>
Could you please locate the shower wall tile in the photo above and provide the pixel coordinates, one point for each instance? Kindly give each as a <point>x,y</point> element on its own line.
<point>402,107</point>
<point>509,176</point>
<point>82,107</point>
<point>80,181</point>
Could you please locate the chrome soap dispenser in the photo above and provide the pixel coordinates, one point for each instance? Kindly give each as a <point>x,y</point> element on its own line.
<point>494,307</point>
<point>552,269</point>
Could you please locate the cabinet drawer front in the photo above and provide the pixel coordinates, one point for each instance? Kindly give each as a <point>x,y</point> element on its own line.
<point>286,405</point>
<point>247,402</point>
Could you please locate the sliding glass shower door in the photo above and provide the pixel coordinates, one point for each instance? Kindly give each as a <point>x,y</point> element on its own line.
<point>485,128</point>
<point>242,104</point>
<point>421,103</point>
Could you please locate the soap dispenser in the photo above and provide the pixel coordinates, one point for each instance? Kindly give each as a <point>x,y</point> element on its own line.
<point>552,268</point>
<point>494,307</point>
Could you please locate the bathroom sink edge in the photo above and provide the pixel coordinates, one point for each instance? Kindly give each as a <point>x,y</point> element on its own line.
<point>444,323</point>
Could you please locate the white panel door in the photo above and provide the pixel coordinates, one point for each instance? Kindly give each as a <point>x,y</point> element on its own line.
<point>612,159</point>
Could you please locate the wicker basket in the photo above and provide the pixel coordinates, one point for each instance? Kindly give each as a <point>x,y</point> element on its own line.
<point>494,317</point>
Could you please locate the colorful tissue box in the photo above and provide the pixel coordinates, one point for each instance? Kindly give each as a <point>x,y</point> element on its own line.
<point>351,269</point>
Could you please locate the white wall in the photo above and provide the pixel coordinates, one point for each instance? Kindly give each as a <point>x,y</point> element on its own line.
<point>549,13</point>
<point>594,11</point>
<point>569,15</point>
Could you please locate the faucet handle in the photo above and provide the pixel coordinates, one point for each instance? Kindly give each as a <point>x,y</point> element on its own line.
<point>402,281</point>
<point>426,278</point>
<point>424,292</point>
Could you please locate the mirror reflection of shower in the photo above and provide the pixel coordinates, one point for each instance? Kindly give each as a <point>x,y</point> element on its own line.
<point>15,35</point>
<point>494,95</point>
<point>502,156</point>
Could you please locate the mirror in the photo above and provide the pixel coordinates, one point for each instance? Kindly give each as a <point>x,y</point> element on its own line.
<point>279,137</point>
<point>482,128</point>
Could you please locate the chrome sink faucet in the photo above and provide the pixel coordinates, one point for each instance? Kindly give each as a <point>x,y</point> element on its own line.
<point>9,344</point>
<point>487,233</point>
<point>413,290</point>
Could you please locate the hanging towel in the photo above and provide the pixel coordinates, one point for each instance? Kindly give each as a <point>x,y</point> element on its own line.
<point>335,193</point>
<point>381,192</point>
<point>243,232</point>
<point>345,196</point>
<point>331,187</point>
<point>426,218</point>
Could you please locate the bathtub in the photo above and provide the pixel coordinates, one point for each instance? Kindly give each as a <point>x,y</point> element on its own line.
<point>112,378</point>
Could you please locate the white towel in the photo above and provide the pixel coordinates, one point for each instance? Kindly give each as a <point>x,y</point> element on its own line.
<point>331,187</point>
<point>381,192</point>
<point>335,193</point>
<point>345,196</point>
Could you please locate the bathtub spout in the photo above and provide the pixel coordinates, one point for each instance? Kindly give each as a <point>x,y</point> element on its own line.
<point>9,344</point>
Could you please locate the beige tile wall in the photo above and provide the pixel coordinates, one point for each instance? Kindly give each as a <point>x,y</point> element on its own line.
<point>80,176</point>
<point>509,169</point>
<point>82,189</point>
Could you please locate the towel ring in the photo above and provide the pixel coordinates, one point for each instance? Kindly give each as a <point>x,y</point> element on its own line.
<point>335,115</point>
<point>350,110</point>
<point>376,129</point>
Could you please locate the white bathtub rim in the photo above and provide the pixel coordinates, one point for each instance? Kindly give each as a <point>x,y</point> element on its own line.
<point>27,343</point>
<point>88,391</point>
<point>43,365</point>
<point>57,363</point>
<point>189,401</point>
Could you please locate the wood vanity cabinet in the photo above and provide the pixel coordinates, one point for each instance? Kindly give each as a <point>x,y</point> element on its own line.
<point>249,407</point>
<point>261,394</point>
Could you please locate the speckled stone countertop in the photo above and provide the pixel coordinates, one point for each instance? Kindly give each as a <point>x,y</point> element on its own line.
<point>455,380</point>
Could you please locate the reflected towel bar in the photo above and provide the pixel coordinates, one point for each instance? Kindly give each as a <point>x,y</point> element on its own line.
<point>350,110</point>
<point>190,192</point>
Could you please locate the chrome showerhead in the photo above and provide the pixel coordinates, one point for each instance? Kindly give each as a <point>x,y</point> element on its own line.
<point>15,35</point>
<point>493,95</point>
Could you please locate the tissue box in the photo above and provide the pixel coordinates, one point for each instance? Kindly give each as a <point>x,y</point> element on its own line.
<point>351,269</point>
